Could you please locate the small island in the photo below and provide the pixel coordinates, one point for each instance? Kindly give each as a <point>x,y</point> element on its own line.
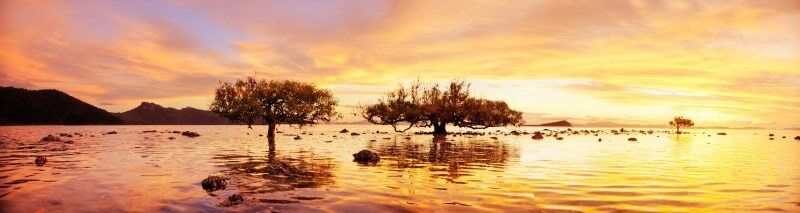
<point>557,123</point>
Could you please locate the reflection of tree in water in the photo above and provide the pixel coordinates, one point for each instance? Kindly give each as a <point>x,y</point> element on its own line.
<point>257,175</point>
<point>449,159</point>
<point>681,143</point>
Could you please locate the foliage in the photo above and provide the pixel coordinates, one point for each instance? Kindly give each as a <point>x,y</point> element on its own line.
<point>274,102</point>
<point>680,121</point>
<point>436,107</point>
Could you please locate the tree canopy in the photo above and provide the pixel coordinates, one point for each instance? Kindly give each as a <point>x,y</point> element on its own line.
<point>273,102</point>
<point>433,106</point>
<point>679,122</point>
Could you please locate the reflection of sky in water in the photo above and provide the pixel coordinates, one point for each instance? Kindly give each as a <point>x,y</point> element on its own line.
<point>135,171</point>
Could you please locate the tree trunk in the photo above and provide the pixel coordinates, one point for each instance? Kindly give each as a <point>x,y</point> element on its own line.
<point>271,153</point>
<point>271,131</point>
<point>678,129</point>
<point>439,129</point>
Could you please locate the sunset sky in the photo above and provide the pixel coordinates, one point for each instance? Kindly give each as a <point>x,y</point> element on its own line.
<point>721,63</point>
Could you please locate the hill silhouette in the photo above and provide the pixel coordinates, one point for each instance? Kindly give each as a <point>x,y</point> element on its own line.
<point>48,107</point>
<point>557,123</point>
<point>151,113</point>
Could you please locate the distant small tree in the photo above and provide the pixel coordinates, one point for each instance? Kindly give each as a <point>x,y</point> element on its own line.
<point>679,122</point>
<point>436,107</point>
<point>274,102</point>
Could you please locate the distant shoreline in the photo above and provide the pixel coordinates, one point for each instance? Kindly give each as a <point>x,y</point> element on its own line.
<point>361,124</point>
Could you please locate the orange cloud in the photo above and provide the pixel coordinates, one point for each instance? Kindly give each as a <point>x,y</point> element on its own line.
<point>724,62</point>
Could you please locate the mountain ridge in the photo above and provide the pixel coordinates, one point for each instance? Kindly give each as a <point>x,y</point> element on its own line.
<point>20,106</point>
<point>149,113</point>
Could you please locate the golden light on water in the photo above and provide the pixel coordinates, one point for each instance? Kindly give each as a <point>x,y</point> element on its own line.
<point>618,70</point>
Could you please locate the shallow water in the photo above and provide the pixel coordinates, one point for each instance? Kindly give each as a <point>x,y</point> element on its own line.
<point>135,171</point>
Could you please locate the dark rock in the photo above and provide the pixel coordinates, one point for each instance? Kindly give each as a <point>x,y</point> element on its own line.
<point>149,131</point>
<point>297,137</point>
<point>176,132</point>
<point>51,138</point>
<point>366,157</point>
<point>797,137</point>
<point>279,167</point>
<point>344,131</point>
<point>213,183</point>
<point>537,135</point>
<point>494,138</point>
<point>772,135</point>
<point>559,138</point>
<point>722,133</point>
<point>515,132</point>
<point>65,135</point>
<point>599,140</point>
<point>190,134</point>
<point>632,139</point>
<point>354,134</point>
<point>233,200</point>
<point>171,138</point>
<point>40,161</point>
<point>111,133</point>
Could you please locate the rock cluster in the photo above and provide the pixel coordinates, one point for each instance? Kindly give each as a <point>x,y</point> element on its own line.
<point>213,183</point>
<point>537,135</point>
<point>40,161</point>
<point>190,134</point>
<point>366,157</point>
<point>51,138</point>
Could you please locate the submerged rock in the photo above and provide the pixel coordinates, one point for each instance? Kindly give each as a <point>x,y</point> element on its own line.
<point>213,183</point>
<point>50,138</point>
<point>233,200</point>
<point>40,161</point>
<point>279,167</point>
<point>632,139</point>
<point>537,135</point>
<point>366,157</point>
<point>190,134</point>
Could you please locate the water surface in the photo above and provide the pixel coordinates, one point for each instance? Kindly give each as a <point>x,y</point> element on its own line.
<point>136,171</point>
